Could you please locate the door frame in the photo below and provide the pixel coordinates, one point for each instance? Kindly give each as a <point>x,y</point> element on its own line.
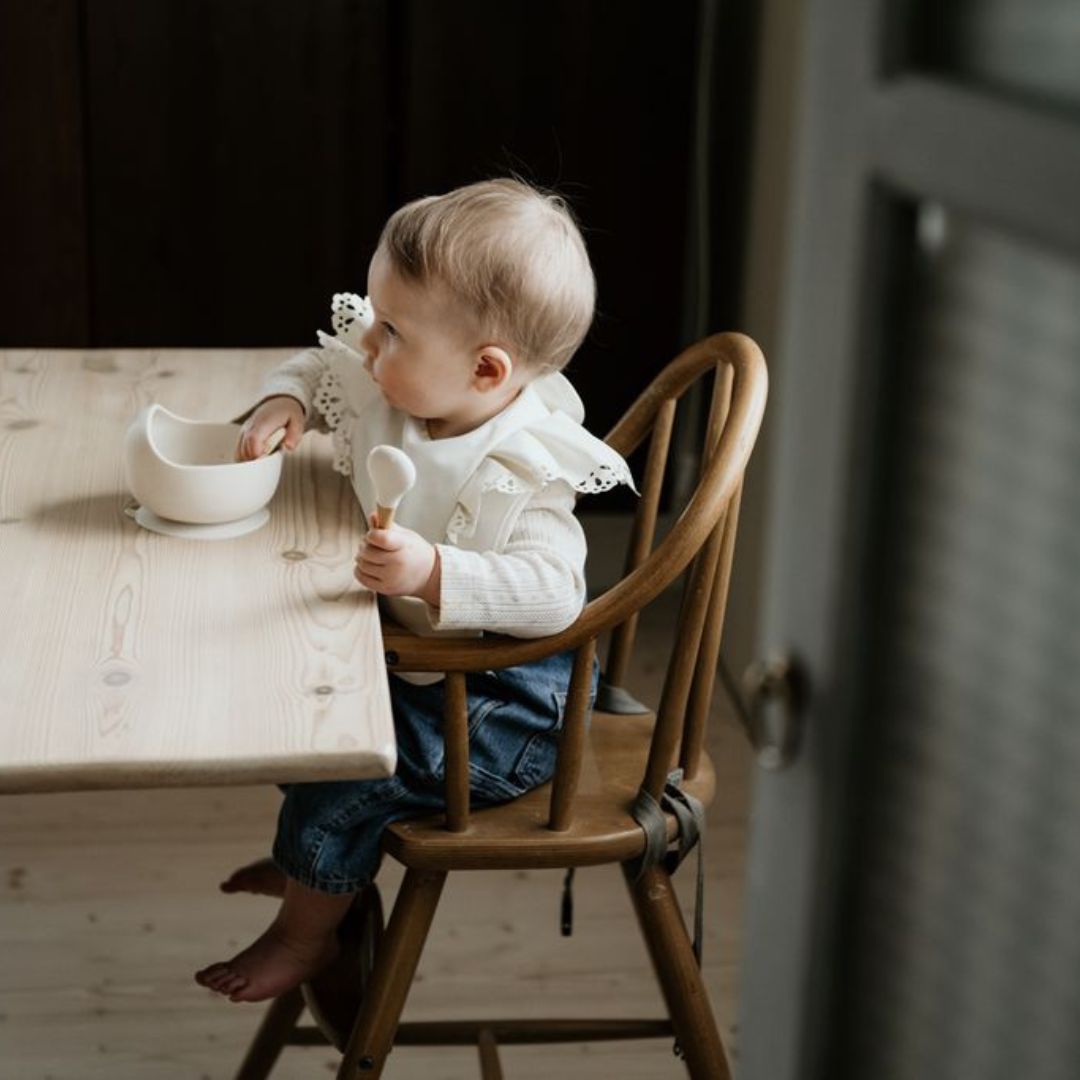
<point>872,134</point>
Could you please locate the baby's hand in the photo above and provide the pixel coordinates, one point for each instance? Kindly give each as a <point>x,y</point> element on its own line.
<point>399,562</point>
<point>273,413</point>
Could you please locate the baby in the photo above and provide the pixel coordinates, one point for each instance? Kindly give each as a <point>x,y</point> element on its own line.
<point>477,299</point>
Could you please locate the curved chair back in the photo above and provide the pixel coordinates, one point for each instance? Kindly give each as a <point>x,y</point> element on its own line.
<point>703,534</point>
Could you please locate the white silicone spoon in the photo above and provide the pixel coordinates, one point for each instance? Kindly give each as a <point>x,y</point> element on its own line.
<point>392,473</point>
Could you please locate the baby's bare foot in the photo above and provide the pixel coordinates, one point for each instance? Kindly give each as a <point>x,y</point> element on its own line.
<point>262,877</point>
<point>272,964</point>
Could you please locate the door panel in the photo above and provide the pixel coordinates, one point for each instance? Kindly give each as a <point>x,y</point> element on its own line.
<point>908,912</point>
<point>1025,51</point>
<point>961,948</point>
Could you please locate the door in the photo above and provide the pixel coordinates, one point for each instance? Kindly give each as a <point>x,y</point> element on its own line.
<point>913,908</point>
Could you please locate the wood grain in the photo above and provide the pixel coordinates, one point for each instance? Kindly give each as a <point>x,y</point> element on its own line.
<point>135,660</point>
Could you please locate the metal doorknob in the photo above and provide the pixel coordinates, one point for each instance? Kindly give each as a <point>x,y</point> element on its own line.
<point>776,692</point>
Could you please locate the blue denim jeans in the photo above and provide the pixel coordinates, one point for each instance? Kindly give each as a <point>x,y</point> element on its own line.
<point>329,833</point>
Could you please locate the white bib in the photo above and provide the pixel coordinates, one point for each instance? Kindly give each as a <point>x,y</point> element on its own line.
<point>469,488</point>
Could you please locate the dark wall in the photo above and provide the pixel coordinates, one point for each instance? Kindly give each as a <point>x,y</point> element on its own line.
<point>201,173</point>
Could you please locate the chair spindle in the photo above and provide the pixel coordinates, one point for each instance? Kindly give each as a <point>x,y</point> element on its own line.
<point>719,408</point>
<point>572,742</point>
<point>641,538</point>
<point>696,603</point>
<point>456,720</point>
<point>680,672</point>
<point>701,690</point>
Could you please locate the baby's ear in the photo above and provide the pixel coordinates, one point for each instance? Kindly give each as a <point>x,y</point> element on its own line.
<point>493,368</point>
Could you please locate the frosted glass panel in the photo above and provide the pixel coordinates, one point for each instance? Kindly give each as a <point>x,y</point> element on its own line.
<point>963,948</point>
<point>1026,48</point>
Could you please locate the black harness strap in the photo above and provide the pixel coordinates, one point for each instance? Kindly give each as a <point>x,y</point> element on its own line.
<point>690,819</point>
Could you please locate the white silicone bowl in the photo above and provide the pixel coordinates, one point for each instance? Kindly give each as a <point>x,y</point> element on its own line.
<point>185,470</point>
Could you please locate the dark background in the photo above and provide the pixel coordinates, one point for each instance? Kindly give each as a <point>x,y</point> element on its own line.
<point>201,173</point>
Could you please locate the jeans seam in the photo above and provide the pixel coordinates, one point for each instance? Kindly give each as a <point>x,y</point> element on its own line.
<point>341,818</point>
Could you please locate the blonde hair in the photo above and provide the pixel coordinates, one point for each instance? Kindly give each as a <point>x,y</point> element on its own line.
<point>511,254</point>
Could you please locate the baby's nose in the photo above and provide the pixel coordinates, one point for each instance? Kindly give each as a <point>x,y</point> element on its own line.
<point>368,340</point>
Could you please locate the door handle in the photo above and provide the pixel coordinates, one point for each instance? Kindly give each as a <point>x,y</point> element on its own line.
<point>776,693</point>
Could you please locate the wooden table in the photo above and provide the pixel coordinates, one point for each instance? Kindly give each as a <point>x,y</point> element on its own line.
<point>129,659</point>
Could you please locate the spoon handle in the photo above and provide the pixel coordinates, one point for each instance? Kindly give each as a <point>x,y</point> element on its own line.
<point>273,441</point>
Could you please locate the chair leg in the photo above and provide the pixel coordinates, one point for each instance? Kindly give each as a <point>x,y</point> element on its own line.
<point>273,1034</point>
<point>677,971</point>
<point>395,965</point>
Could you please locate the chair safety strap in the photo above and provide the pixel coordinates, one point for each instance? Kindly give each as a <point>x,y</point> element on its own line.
<point>690,820</point>
<point>566,915</point>
<point>649,814</point>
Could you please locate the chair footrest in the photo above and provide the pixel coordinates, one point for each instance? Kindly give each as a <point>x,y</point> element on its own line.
<point>506,1032</point>
<point>467,1033</point>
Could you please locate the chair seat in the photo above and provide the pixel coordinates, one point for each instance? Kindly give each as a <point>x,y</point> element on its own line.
<point>515,835</point>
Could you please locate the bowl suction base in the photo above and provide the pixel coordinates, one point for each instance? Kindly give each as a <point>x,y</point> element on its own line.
<point>226,530</point>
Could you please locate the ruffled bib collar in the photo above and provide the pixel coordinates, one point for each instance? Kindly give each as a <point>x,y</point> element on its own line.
<point>538,439</point>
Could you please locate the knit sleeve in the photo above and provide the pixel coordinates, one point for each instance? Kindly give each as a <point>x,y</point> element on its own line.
<point>299,377</point>
<point>534,587</point>
<point>327,392</point>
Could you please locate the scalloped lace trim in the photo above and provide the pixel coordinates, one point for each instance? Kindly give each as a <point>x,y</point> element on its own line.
<point>330,401</point>
<point>603,478</point>
<point>346,309</point>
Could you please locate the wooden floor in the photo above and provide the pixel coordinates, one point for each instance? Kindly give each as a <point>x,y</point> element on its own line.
<point>109,903</point>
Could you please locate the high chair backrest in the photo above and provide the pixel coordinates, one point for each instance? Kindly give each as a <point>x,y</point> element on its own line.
<point>703,534</point>
<point>738,393</point>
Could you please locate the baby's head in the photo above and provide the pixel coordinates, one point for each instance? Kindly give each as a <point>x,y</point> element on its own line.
<point>511,261</point>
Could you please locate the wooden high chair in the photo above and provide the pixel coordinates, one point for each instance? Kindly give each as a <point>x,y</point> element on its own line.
<point>565,823</point>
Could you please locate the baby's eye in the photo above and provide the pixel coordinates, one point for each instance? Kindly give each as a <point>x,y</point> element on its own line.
<point>390,329</point>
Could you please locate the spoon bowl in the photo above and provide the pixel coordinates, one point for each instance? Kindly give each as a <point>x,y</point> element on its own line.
<point>392,475</point>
